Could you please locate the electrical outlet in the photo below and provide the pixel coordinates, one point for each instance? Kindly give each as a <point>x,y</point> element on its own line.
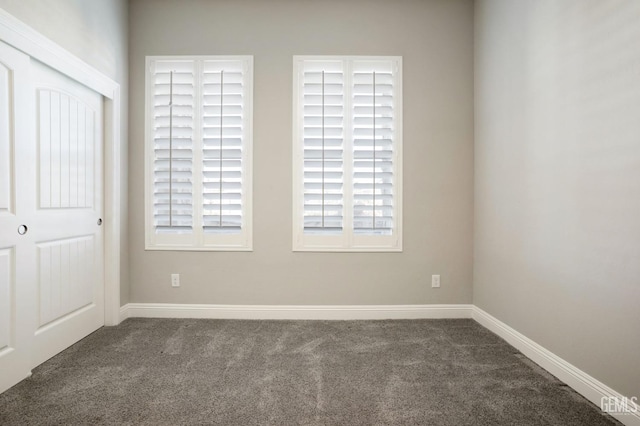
<point>435,281</point>
<point>175,280</point>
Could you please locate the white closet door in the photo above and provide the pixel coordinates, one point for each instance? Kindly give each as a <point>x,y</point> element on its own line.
<point>67,227</point>
<point>17,275</point>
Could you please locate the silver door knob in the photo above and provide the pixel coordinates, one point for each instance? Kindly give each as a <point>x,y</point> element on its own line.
<point>22,229</point>
<point>99,221</point>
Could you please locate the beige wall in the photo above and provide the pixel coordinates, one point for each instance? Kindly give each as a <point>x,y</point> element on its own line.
<point>95,31</point>
<point>435,39</point>
<point>557,178</point>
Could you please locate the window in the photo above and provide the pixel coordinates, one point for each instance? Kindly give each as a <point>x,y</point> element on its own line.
<point>198,153</point>
<point>347,145</point>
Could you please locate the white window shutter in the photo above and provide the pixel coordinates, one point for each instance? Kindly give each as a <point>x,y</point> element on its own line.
<point>173,144</point>
<point>323,146</point>
<point>222,145</point>
<point>373,146</point>
<point>199,140</point>
<point>347,153</point>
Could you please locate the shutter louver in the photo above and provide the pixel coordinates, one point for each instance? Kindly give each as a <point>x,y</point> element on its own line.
<point>173,139</point>
<point>222,145</point>
<point>373,146</point>
<point>323,147</point>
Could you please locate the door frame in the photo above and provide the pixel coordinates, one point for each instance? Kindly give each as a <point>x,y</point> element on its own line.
<point>24,38</point>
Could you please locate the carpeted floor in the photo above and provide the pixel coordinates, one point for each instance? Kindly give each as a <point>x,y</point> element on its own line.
<point>195,372</point>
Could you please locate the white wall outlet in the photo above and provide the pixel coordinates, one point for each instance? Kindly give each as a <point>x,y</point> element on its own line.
<point>435,281</point>
<point>175,280</point>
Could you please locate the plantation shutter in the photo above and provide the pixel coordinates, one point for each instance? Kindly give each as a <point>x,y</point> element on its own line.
<point>323,146</point>
<point>199,131</point>
<point>373,146</point>
<point>173,145</point>
<point>347,153</point>
<point>222,145</point>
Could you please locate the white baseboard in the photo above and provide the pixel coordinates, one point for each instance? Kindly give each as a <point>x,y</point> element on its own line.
<point>577,379</point>
<point>294,312</point>
<point>124,313</point>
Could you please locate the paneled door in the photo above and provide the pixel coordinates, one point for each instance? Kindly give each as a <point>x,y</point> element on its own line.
<point>17,315</point>
<point>67,222</point>
<point>51,204</point>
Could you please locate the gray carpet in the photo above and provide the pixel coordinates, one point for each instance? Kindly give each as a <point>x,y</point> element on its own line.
<point>174,372</point>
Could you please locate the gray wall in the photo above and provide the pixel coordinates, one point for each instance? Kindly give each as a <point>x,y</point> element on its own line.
<point>557,178</point>
<point>95,31</point>
<point>557,164</point>
<point>435,39</point>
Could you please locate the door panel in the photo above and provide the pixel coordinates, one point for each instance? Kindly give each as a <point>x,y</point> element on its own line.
<point>6,173</point>
<point>17,279</point>
<point>66,141</point>
<point>65,272</point>
<point>7,290</point>
<point>69,197</point>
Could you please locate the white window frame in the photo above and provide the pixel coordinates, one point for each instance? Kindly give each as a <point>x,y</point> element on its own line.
<point>347,241</point>
<point>198,240</point>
